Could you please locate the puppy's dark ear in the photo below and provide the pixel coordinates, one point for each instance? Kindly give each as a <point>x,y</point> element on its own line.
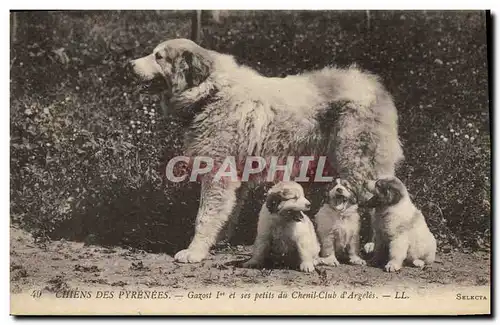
<point>392,196</point>
<point>351,189</point>
<point>198,68</point>
<point>273,201</point>
<point>286,193</point>
<point>373,202</point>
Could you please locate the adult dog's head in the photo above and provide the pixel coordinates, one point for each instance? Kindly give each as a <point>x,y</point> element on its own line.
<point>341,196</point>
<point>286,199</point>
<point>386,192</point>
<point>179,63</point>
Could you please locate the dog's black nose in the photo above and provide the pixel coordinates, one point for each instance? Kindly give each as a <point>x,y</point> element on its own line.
<point>339,190</point>
<point>308,205</point>
<point>129,67</point>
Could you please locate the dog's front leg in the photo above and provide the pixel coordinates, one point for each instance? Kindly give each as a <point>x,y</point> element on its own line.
<point>326,242</point>
<point>398,250</point>
<point>327,252</point>
<point>305,246</point>
<point>353,250</point>
<point>216,203</point>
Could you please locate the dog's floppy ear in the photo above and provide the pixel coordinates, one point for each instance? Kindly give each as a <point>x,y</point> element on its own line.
<point>273,200</point>
<point>348,185</point>
<point>198,68</point>
<point>392,196</point>
<point>388,194</point>
<point>286,193</point>
<point>373,202</point>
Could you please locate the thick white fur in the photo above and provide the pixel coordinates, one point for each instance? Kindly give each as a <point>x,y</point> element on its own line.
<point>401,231</point>
<point>255,115</point>
<point>278,235</point>
<point>338,230</point>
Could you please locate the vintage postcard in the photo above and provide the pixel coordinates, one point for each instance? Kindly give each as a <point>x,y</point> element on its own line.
<point>223,162</point>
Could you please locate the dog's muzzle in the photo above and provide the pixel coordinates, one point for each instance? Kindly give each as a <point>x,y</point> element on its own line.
<point>339,202</point>
<point>155,85</point>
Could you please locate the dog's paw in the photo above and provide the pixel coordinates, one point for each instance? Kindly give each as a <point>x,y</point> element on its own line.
<point>252,264</point>
<point>369,247</point>
<point>330,260</point>
<point>419,263</point>
<point>356,260</point>
<point>307,266</point>
<point>190,256</point>
<point>392,266</point>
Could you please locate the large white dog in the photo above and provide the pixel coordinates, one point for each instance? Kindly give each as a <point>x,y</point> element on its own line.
<point>344,114</point>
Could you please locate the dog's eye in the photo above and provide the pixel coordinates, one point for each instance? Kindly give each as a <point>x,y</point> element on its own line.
<point>158,56</point>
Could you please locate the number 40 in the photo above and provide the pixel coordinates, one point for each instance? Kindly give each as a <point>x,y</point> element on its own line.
<point>36,293</point>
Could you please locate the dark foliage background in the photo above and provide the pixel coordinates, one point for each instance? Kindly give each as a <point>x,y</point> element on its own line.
<point>82,170</point>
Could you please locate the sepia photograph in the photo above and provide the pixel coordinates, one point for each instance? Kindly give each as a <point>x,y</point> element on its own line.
<point>250,162</point>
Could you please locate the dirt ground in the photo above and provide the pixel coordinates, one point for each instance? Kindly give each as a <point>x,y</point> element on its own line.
<point>63,265</point>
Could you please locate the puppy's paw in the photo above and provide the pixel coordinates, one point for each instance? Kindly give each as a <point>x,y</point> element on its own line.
<point>392,266</point>
<point>307,266</point>
<point>419,263</point>
<point>369,247</point>
<point>356,260</point>
<point>330,260</point>
<point>190,256</point>
<point>252,264</point>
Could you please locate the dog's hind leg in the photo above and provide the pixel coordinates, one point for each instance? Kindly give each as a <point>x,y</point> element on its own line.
<point>234,217</point>
<point>262,244</point>
<point>216,204</point>
<point>366,143</point>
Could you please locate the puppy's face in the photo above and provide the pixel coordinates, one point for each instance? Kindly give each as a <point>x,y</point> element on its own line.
<point>386,192</point>
<point>179,64</point>
<point>285,197</point>
<point>341,196</point>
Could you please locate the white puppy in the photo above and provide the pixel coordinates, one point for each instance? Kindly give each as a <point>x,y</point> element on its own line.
<point>401,233</point>
<point>283,229</point>
<point>338,225</point>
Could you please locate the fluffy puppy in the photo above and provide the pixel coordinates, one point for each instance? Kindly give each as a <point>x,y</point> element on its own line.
<point>338,225</point>
<point>401,233</point>
<point>284,231</point>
